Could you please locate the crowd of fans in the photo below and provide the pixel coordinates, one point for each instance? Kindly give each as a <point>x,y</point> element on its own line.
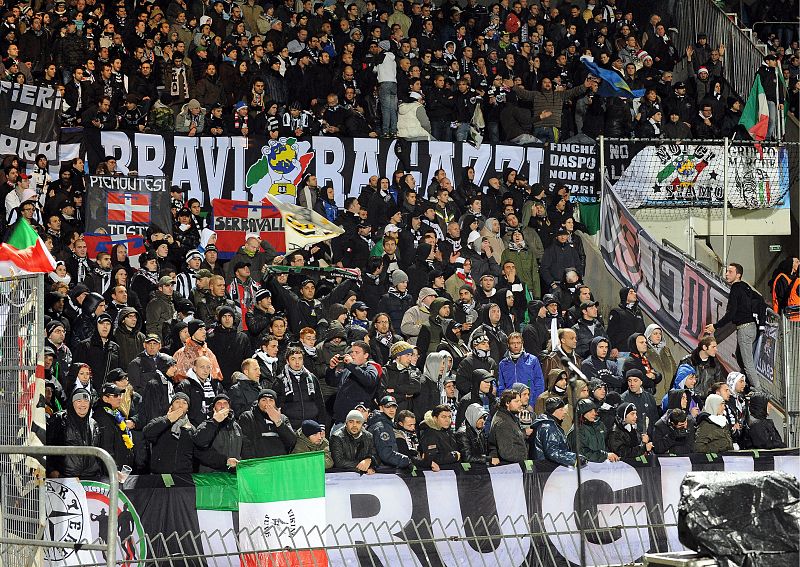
<point>508,72</point>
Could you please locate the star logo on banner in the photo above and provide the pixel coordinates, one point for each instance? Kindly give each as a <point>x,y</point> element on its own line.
<point>656,188</point>
<point>714,175</point>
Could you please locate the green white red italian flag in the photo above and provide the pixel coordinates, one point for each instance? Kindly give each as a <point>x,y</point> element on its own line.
<point>25,253</point>
<point>282,511</point>
<point>755,115</point>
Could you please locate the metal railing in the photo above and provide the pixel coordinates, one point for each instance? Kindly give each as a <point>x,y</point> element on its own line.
<point>620,536</point>
<point>790,366</point>
<point>742,56</point>
<point>16,550</point>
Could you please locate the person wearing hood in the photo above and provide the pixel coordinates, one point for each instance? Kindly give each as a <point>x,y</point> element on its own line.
<point>625,439</point>
<point>660,356</point>
<point>113,434</point>
<point>311,439</point>
<point>300,394</point>
<point>637,360</point>
<point>599,366</point>
<point>536,333</point>
<point>437,443</point>
<point>99,351</point>
<point>471,437</point>
<point>84,326</point>
<point>266,432</point>
<point>592,434</point>
<point>553,314</point>
<point>605,402</point>
<point>381,425</point>
<point>519,366</point>
<point>588,327</point>
<point>218,440</point>
<point>761,432</point>
<point>482,393</point>
<point>200,386</point>
<point>452,342</point>
<point>226,338</point>
<point>436,370</point>
<point>736,410</point>
<point>713,430</point>
<point>685,380</point>
<point>673,434</point>
<point>557,258</point>
<point>495,322</point>
<point>128,335</point>
<point>413,123</point>
<point>549,439</point>
<point>418,315</point>
<point>557,385</point>
<point>397,301</point>
<point>195,347</point>
<point>478,358</point>
<point>431,331</point>
<point>646,405</point>
<point>73,427</point>
<point>171,439</point>
<point>353,447</point>
<point>625,320</point>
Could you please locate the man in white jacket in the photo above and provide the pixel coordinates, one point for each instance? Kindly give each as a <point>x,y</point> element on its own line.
<point>387,90</point>
<point>412,122</point>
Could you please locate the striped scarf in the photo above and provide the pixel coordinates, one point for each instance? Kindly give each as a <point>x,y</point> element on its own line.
<point>120,420</point>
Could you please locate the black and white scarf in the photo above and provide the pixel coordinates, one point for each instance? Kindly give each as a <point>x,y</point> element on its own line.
<point>105,278</point>
<point>83,267</point>
<point>289,377</point>
<point>179,86</point>
<point>385,339</point>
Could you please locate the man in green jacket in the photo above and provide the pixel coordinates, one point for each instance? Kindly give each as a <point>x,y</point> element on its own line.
<point>592,434</point>
<point>550,99</point>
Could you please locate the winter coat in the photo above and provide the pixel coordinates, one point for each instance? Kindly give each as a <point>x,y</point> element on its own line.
<point>466,368</point>
<point>233,346</point>
<point>527,267</point>
<point>603,369</point>
<point>356,384</point>
<point>586,333</point>
<point>709,371</point>
<point>593,440</point>
<point>437,445</point>
<point>402,384</point>
<point>556,259</point>
<point>198,402</point>
<point>131,342</point>
<point>623,322</point>
<point>66,429</point>
<point>110,436</point>
<point>413,320</point>
<point>624,443</point>
<point>413,123</point>
<point>710,437</point>
<point>761,431</point>
<point>506,439</point>
<point>243,393</point>
<point>304,445</point>
<point>191,351</point>
<point>304,399</point>
<point>169,455</point>
<point>525,370</point>
<point>101,358</point>
<point>636,362</point>
<point>550,442</point>
<point>472,444</point>
<point>395,305</point>
<point>385,441</point>
<point>347,451</point>
<point>667,440</point>
<point>215,443</point>
<point>159,312</point>
<point>648,410</point>
<point>261,437</point>
<point>143,368</point>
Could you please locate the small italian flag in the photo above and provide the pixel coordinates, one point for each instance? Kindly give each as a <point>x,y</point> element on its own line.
<point>755,116</point>
<point>25,252</point>
<point>282,511</point>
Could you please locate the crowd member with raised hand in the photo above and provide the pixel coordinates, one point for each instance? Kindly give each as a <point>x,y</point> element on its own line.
<point>171,439</point>
<point>266,432</point>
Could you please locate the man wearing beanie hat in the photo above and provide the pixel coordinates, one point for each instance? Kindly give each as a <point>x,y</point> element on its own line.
<point>187,279</point>
<point>218,440</point>
<point>415,317</point>
<point>259,318</point>
<point>353,448</point>
<point>311,438</point>
<point>55,333</point>
<point>397,300</point>
<point>381,425</point>
<point>194,348</point>
<point>265,430</point>
<point>73,427</point>
<point>625,439</point>
<point>171,439</point>
<point>549,439</point>
<point>645,402</point>
<point>399,381</point>
<point>99,351</point>
<point>592,434</point>
<point>226,338</point>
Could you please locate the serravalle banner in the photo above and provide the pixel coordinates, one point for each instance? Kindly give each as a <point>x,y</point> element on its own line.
<point>244,169</point>
<point>233,220</point>
<point>196,517</point>
<point>676,292</point>
<point>30,121</point>
<point>124,207</point>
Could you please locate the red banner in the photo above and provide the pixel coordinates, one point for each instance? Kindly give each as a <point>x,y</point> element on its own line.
<point>98,242</point>
<point>234,219</point>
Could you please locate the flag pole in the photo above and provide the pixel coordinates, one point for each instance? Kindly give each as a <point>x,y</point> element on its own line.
<point>725,201</point>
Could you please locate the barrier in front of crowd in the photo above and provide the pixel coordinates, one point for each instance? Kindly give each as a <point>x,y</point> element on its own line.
<point>790,365</point>
<point>513,515</point>
<point>22,421</point>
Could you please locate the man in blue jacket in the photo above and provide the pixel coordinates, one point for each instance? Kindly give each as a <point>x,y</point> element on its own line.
<point>381,425</point>
<point>520,366</point>
<point>549,440</point>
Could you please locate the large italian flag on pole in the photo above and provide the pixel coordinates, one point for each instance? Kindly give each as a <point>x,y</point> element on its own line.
<point>282,511</point>
<point>755,116</point>
<point>24,253</point>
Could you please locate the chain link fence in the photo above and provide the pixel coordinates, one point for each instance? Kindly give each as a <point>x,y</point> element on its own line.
<point>22,422</point>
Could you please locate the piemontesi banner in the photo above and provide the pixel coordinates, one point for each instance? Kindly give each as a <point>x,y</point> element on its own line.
<point>303,226</point>
<point>277,497</point>
<point>30,121</point>
<point>383,511</point>
<point>123,208</point>
<point>233,220</point>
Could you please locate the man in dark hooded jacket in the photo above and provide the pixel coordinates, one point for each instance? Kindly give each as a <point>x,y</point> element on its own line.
<point>624,320</point>
<point>128,335</point>
<point>599,366</point>
<point>471,438</point>
<point>536,333</point>
<point>761,432</point>
<point>73,427</point>
<point>99,351</point>
<point>265,430</point>
<point>229,344</point>
<point>673,434</point>
<point>588,327</point>
<point>218,440</point>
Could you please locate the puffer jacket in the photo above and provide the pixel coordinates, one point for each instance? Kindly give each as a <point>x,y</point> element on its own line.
<point>413,123</point>
<point>506,439</point>
<point>437,445</point>
<point>526,370</point>
<point>66,429</point>
<point>383,435</point>
<point>472,444</point>
<point>395,304</point>
<point>347,451</point>
<point>550,442</point>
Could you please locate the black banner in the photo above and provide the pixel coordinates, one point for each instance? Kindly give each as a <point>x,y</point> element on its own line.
<point>30,121</point>
<point>124,206</point>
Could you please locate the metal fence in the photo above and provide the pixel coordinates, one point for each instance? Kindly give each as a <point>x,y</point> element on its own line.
<point>619,536</point>
<point>742,56</point>
<point>789,344</point>
<point>21,420</point>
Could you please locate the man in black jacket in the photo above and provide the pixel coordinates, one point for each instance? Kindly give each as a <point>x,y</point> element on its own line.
<point>171,439</point>
<point>357,379</point>
<point>588,328</point>
<point>624,320</point>
<point>673,434</point>
<point>352,448</point>
<point>230,344</point>
<point>114,436</point>
<point>381,425</point>
<point>73,427</point>
<point>218,440</point>
<point>148,364</point>
<point>265,430</point>
<point>437,443</point>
